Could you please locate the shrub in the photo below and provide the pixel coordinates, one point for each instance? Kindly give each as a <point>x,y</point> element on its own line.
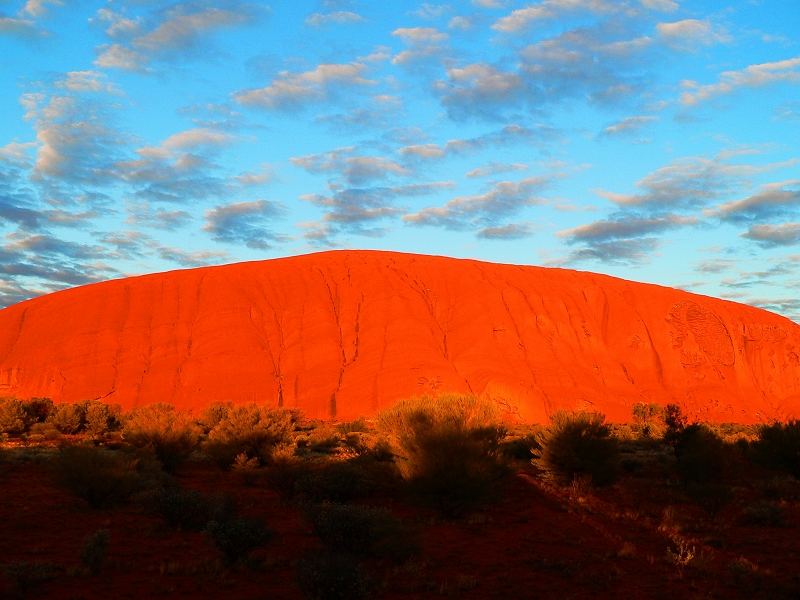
<point>701,455</point>
<point>675,422</point>
<point>778,447</point>
<point>27,576</point>
<point>69,418</point>
<point>580,444</point>
<point>213,415</point>
<point>101,477</point>
<point>330,575</point>
<point>43,431</point>
<point>344,480</point>
<point>37,410</point>
<point>363,530</point>
<point>522,447</point>
<point>95,546</point>
<point>358,426</point>
<point>764,514</point>
<point>237,537</point>
<point>189,510</point>
<point>648,419</point>
<point>102,418</point>
<point>13,418</point>
<point>169,433</point>
<point>447,448</point>
<point>252,430</point>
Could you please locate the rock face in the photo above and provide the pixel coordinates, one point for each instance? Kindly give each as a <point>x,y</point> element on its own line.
<point>344,334</point>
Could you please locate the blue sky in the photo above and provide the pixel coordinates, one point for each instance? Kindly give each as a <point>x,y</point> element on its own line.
<point>655,140</point>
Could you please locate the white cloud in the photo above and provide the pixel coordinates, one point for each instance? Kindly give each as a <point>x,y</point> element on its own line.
<point>339,18</point>
<point>690,33</point>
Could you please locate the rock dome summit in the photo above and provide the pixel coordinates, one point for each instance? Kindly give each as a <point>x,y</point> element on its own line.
<point>344,334</point>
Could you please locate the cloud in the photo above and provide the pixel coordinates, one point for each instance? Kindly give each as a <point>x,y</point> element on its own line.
<point>504,199</point>
<point>785,234</point>
<point>689,183</point>
<point>182,29</point>
<point>660,5</point>
<point>773,200</point>
<point>494,168</point>
<point>625,251</point>
<point>86,81</point>
<point>512,231</point>
<point>519,20</point>
<point>628,125</point>
<point>691,33</point>
<point>244,223</point>
<point>426,43</point>
<point>290,91</point>
<point>74,141</point>
<point>750,77</point>
<point>479,88</point>
<point>341,17</point>
<point>461,23</point>
<point>624,226</point>
<point>24,28</point>
<point>357,210</point>
<point>38,8</point>
<point>354,169</point>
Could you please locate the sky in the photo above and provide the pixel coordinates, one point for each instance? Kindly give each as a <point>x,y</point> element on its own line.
<point>655,140</point>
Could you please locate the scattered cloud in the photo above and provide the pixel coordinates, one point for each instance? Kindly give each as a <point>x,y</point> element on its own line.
<point>291,91</point>
<point>341,17</point>
<point>689,34</point>
<point>512,231</point>
<point>354,169</point>
<point>425,43</point>
<point>785,234</point>
<point>245,223</point>
<point>521,19</point>
<point>773,200</point>
<point>504,199</point>
<point>628,125</point>
<point>495,168</point>
<point>750,77</point>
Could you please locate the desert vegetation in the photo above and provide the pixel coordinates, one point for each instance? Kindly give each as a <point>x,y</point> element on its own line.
<point>414,503</point>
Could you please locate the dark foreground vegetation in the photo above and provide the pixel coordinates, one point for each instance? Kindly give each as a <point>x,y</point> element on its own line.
<point>438,496</point>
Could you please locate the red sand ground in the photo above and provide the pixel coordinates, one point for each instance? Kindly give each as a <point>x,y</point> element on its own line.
<point>344,334</point>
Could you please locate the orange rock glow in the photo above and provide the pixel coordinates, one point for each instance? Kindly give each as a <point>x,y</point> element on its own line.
<point>344,334</point>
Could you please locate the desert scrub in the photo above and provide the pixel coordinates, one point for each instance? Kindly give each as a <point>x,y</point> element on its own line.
<point>13,418</point>
<point>171,434</point>
<point>364,530</point>
<point>28,576</point>
<point>580,445</point>
<point>763,514</point>
<point>188,510</point>
<point>95,547</point>
<point>102,419</point>
<point>101,477</point>
<point>345,480</point>
<point>778,447</point>
<point>447,448</point>
<point>703,463</point>
<point>648,419</point>
<point>330,575</point>
<point>253,430</point>
<point>69,418</point>
<point>237,537</point>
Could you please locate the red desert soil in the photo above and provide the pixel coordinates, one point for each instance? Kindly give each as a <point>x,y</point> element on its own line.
<point>344,334</point>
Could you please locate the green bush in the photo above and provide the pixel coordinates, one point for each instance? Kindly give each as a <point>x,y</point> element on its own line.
<point>13,418</point>
<point>253,430</point>
<point>330,575</point>
<point>101,477</point>
<point>580,445</point>
<point>237,537</point>
<point>447,448</point>
<point>171,434</point>
<point>778,447</point>
<point>93,554</point>
<point>69,418</point>
<point>363,530</point>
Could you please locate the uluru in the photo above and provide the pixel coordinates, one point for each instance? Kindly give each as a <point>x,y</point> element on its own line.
<point>344,334</point>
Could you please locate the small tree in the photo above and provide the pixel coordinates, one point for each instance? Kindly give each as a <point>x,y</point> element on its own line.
<point>13,418</point>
